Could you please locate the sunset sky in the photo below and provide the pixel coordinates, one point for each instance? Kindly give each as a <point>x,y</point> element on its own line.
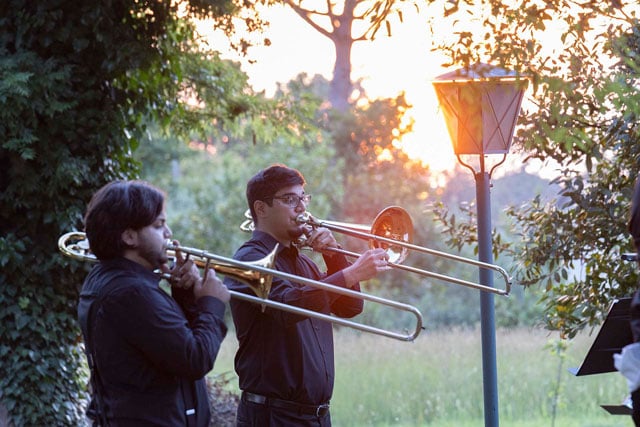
<point>387,65</point>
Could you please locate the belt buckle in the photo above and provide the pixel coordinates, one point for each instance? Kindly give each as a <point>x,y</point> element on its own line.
<point>322,410</point>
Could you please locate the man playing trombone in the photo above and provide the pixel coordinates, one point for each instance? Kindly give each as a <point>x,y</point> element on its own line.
<point>285,361</point>
<point>148,351</point>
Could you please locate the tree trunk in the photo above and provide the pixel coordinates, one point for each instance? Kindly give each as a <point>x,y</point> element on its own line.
<point>341,86</point>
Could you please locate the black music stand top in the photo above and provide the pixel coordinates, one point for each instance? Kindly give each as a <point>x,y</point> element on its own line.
<point>625,408</point>
<point>614,334</point>
<point>617,409</point>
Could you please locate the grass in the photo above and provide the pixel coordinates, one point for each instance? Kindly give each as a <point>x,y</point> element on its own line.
<point>437,381</point>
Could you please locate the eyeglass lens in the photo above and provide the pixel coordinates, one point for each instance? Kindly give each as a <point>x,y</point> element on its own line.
<point>294,200</point>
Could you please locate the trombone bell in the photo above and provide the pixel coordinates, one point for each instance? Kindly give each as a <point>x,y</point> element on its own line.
<point>259,283</point>
<point>393,223</point>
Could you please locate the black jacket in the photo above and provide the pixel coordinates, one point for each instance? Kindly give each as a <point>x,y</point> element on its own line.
<point>151,350</point>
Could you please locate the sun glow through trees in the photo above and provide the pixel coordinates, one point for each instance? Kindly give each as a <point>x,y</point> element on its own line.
<point>386,67</point>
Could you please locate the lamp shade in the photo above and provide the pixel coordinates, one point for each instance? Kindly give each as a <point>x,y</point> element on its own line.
<point>481,106</point>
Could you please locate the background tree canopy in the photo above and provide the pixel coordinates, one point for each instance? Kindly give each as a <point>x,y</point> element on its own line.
<point>79,80</point>
<point>91,92</point>
<point>582,117</point>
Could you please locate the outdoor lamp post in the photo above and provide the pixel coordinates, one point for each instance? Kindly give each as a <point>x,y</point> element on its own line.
<point>481,105</point>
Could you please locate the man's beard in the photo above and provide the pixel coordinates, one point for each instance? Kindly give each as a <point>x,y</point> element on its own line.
<point>154,256</point>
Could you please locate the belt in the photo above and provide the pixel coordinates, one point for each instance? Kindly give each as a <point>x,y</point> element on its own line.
<point>317,410</point>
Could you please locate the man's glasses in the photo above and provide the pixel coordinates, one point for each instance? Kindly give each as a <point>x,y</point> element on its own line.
<point>293,200</point>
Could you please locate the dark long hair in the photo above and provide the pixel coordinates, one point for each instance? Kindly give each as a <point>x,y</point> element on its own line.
<point>116,207</point>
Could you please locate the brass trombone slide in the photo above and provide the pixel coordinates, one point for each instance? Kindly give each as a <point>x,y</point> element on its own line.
<point>258,275</point>
<point>394,221</point>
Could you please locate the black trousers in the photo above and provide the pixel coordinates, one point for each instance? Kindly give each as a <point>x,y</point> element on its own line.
<point>635,401</point>
<point>251,414</point>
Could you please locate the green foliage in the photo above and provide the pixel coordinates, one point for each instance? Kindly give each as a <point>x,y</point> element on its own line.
<point>385,382</point>
<point>206,185</point>
<point>77,81</point>
<point>559,349</point>
<point>54,137</point>
<point>583,117</point>
<point>459,231</point>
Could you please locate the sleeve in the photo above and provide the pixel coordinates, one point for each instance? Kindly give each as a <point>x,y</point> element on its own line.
<point>152,322</point>
<point>342,305</point>
<point>320,300</point>
<point>187,302</point>
<point>282,291</point>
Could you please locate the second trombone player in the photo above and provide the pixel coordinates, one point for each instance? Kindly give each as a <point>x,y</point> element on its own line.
<point>285,361</point>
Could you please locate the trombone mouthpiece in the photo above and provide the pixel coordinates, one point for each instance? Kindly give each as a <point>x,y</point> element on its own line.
<point>303,218</point>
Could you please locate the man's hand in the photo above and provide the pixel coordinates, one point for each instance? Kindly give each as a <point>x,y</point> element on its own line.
<point>185,273</point>
<point>211,286</point>
<point>320,239</point>
<point>367,266</point>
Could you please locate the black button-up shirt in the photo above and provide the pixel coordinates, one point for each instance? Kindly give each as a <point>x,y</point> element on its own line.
<point>151,350</point>
<point>281,354</point>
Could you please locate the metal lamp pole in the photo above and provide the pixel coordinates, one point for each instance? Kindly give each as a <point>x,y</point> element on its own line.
<point>487,317</point>
<point>481,104</point>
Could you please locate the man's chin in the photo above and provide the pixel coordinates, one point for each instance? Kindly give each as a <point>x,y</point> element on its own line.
<point>296,234</point>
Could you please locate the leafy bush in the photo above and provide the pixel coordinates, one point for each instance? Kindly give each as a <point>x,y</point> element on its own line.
<point>76,79</point>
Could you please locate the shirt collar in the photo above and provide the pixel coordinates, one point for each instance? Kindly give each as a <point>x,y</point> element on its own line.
<point>123,263</point>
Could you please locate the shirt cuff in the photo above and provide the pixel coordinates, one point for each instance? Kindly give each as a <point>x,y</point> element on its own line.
<point>212,305</point>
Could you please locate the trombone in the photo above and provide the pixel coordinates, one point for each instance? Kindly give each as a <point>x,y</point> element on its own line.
<point>392,230</point>
<point>258,276</point>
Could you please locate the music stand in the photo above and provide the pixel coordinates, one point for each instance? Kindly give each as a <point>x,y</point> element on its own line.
<point>617,409</point>
<point>614,334</point>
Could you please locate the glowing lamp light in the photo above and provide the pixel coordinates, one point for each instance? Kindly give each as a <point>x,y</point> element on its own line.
<point>480,106</point>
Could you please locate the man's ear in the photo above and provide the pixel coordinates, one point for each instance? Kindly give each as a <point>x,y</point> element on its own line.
<point>130,237</point>
<point>260,208</point>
